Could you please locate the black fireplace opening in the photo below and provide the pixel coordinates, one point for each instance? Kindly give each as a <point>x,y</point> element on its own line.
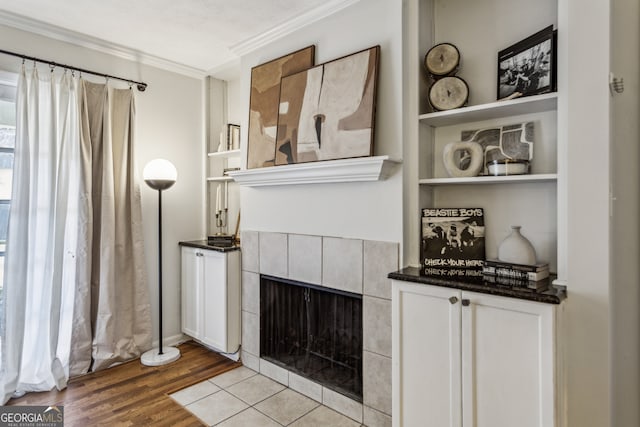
<point>313,331</point>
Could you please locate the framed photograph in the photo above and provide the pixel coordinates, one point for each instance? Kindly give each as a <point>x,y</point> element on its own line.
<point>233,137</point>
<point>529,66</point>
<point>328,112</point>
<point>263,104</point>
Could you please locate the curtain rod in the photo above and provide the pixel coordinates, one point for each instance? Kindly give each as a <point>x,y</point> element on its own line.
<point>140,85</point>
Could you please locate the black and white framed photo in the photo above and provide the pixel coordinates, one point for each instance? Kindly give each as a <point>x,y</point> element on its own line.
<point>233,137</point>
<point>529,66</point>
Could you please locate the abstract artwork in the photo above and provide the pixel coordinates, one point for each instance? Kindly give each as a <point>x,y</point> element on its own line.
<point>327,112</point>
<point>513,142</point>
<point>263,105</point>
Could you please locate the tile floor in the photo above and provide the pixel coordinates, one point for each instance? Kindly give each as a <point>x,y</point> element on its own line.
<point>244,398</point>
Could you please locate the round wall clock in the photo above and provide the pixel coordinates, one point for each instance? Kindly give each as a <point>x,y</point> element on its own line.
<point>448,93</point>
<point>442,59</point>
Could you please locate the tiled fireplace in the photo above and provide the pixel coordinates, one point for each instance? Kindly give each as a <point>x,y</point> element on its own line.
<point>347,265</point>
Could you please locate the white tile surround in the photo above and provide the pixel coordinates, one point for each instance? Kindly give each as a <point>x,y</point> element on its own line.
<point>358,266</point>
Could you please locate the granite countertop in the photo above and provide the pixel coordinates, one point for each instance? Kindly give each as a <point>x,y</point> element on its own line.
<point>554,294</point>
<point>203,244</point>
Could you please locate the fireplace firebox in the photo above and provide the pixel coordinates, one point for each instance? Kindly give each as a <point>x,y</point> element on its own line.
<point>313,331</point>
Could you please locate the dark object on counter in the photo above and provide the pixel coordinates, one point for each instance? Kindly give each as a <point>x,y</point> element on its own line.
<point>221,240</point>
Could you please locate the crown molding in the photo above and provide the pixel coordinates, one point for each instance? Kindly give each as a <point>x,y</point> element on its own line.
<point>62,34</point>
<point>300,21</point>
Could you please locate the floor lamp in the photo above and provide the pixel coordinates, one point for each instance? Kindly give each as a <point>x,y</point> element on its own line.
<point>160,174</point>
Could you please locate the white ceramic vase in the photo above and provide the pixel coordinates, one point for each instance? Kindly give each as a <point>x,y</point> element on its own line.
<point>516,249</point>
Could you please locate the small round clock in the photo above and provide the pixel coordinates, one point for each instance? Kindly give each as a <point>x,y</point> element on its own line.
<point>448,93</point>
<point>442,60</point>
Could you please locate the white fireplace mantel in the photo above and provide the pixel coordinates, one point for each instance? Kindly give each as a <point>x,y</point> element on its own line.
<point>344,170</point>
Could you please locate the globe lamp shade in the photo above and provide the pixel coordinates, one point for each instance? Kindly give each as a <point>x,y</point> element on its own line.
<point>160,174</point>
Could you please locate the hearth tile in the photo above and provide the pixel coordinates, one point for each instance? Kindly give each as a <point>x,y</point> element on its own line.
<point>250,251</point>
<point>217,407</point>
<point>376,328</point>
<point>305,386</point>
<point>380,259</point>
<point>342,264</point>
<point>274,372</point>
<point>255,389</point>
<point>251,292</point>
<point>273,254</point>
<point>286,406</point>
<point>305,258</point>
<point>376,383</point>
<point>249,417</point>
<point>323,416</point>
<point>249,360</point>
<point>251,332</point>
<point>195,392</point>
<point>373,418</point>
<point>342,404</point>
<point>232,377</point>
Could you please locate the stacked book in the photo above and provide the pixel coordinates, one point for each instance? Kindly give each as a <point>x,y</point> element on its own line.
<point>530,276</point>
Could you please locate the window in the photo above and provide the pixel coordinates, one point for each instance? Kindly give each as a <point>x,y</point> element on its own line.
<point>7,146</point>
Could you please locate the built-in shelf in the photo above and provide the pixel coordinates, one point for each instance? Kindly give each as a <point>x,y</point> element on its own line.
<point>343,170</point>
<point>219,179</point>
<point>513,179</point>
<point>225,154</point>
<point>493,110</point>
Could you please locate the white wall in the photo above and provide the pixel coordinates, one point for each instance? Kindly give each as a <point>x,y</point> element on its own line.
<point>357,210</point>
<point>625,289</point>
<point>169,125</point>
<point>583,203</point>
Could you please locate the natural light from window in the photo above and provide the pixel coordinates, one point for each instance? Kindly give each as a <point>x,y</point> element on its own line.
<point>7,146</point>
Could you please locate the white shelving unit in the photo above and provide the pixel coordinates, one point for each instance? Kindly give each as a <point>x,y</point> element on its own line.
<point>225,154</point>
<point>530,200</point>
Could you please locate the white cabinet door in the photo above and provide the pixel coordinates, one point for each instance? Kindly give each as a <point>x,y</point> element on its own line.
<point>211,307</point>
<point>191,291</point>
<point>214,303</point>
<point>426,356</point>
<point>507,362</point>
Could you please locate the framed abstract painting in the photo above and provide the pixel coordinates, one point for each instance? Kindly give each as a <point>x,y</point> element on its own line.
<point>263,103</point>
<point>328,112</point>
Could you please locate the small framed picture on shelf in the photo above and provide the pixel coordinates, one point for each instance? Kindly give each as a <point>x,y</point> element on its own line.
<point>529,66</point>
<point>233,137</point>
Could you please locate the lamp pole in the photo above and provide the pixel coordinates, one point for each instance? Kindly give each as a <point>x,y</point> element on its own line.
<point>160,174</point>
<point>160,270</point>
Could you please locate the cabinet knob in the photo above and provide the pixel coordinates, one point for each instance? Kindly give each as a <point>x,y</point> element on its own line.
<point>453,300</point>
<point>466,302</point>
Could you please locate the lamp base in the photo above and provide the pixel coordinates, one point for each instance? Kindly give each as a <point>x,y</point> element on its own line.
<point>152,358</point>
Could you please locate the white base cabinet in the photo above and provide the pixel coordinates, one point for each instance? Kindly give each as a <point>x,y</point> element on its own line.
<point>474,360</point>
<point>211,297</point>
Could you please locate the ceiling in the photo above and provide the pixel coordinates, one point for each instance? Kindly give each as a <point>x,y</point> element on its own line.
<point>199,34</point>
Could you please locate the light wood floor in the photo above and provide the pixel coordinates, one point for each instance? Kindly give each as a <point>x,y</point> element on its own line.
<point>132,394</point>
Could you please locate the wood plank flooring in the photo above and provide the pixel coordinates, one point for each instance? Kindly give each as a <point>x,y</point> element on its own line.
<point>132,394</point>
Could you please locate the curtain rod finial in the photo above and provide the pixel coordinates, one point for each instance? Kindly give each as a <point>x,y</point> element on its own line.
<point>141,87</point>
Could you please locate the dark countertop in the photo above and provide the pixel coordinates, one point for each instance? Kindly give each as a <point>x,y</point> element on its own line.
<point>202,244</point>
<point>554,294</point>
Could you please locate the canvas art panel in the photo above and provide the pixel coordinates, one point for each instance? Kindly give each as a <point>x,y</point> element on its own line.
<point>263,104</point>
<point>328,112</point>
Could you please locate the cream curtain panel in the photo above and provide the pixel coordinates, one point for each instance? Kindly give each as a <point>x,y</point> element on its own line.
<point>75,292</point>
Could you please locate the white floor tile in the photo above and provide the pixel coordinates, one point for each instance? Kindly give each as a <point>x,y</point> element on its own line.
<point>232,377</point>
<point>255,389</point>
<point>217,407</point>
<point>195,392</point>
<point>323,416</point>
<point>249,418</point>
<point>286,406</point>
